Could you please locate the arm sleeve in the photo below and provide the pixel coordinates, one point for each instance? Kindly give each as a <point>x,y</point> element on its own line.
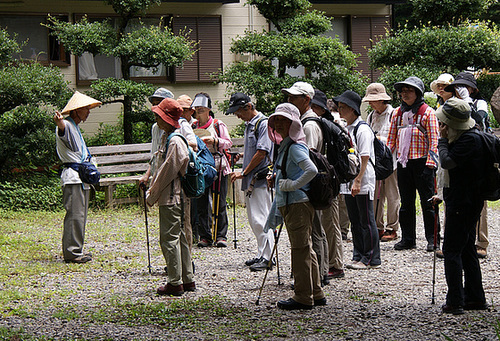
<point>393,132</point>
<point>431,127</point>
<point>310,172</point>
<point>224,139</point>
<point>444,154</point>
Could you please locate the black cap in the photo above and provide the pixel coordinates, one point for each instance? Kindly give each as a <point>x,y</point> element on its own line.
<point>237,101</point>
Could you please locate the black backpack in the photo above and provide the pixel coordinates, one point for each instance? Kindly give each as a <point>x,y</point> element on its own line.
<point>325,186</point>
<point>337,145</point>
<point>384,164</point>
<point>490,187</point>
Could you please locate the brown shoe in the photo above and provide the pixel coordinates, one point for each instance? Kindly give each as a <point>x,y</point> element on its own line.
<point>389,236</point>
<point>439,254</point>
<point>335,273</point>
<point>481,252</point>
<point>171,290</point>
<point>80,260</point>
<point>381,233</point>
<point>189,286</point>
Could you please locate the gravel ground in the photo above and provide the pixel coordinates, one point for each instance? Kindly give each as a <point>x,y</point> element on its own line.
<point>390,303</point>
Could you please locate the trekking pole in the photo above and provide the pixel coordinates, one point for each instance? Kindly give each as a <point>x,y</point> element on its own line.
<point>233,155</point>
<point>269,263</point>
<point>143,187</point>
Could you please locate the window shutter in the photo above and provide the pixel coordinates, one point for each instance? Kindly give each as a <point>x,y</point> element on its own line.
<point>206,31</point>
<point>365,32</point>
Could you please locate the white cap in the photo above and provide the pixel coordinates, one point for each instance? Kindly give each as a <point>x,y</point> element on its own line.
<point>300,88</point>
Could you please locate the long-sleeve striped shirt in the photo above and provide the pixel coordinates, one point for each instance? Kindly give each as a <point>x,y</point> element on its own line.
<point>422,144</point>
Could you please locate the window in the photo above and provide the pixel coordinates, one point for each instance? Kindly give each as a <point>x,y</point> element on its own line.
<point>40,46</point>
<point>208,58</point>
<point>365,33</point>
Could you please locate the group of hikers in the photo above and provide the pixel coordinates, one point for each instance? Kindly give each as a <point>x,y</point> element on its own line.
<point>436,153</point>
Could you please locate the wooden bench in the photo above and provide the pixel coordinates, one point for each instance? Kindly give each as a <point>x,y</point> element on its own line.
<point>120,159</point>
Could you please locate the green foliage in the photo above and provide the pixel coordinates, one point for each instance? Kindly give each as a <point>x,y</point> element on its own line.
<point>32,83</point>
<point>439,12</point>
<point>152,46</point>
<point>133,45</point>
<point>107,134</point>
<point>8,47</point>
<point>468,45</point>
<point>297,42</point>
<point>39,191</point>
<point>27,138</point>
<point>275,10</point>
<point>110,90</point>
<point>96,37</point>
<point>487,84</point>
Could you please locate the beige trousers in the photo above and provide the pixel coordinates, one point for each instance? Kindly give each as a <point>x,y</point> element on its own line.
<point>331,224</point>
<point>298,220</point>
<point>482,228</point>
<point>76,204</point>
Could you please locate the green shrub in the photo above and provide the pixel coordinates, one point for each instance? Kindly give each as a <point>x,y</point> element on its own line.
<point>38,191</point>
<point>32,83</point>
<point>487,84</point>
<point>27,139</point>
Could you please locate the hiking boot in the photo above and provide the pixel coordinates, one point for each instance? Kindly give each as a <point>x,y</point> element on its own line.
<point>320,302</point>
<point>222,242</point>
<point>335,273</point>
<point>204,243</point>
<point>439,254</point>
<point>476,306</point>
<point>450,309</point>
<point>481,252</point>
<point>189,286</point>
<point>171,290</point>
<point>389,236</point>
<point>252,261</point>
<point>291,304</point>
<point>325,281</point>
<point>404,245</point>
<point>80,259</point>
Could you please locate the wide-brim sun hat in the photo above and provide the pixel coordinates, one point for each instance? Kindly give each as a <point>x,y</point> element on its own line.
<point>455,113</point>
<point>412,81</point>
<point>463,78</point>
<point>169,110</point>
<point>161,93</point>
<point>79,100</point>
<point>444,78</point>
<point>351,99</point>
<point>292,113</point>
<point>320,100</point>
<point>376,92</point>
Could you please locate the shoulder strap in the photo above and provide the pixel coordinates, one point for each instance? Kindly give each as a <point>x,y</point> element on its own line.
<point>170,137</point>
<point>84,157</point>
<point>257,125</point>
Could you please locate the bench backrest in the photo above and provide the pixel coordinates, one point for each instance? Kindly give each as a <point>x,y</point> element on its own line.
<point>127,158</point>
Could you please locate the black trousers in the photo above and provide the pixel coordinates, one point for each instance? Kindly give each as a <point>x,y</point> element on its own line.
<point>416,177</point>
<point>460,256</point>
<point>205,206</point>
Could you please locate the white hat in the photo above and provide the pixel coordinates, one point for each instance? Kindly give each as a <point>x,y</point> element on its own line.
<point>79,100</point>
<point>444,78</point>
<point>300,88</point>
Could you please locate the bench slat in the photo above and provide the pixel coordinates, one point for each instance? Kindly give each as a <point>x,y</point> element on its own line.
<point>125,158</point>
<point>129,168</point>
<point>123,148</point>
<point>119,180</point>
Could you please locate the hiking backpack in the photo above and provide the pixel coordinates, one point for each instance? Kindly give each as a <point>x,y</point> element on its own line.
<point>337,146</point>
<point>207,162</point>
<point>384,164</point>
<point>325,186</point>
<point>193,182</point>
<point>490,187</point>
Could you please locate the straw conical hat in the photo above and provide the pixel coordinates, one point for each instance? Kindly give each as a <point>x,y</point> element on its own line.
<point>79,100</point>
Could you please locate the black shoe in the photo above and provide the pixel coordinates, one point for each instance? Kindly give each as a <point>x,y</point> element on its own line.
<point>262,264</point>
<point>476,306</point>
<point>450,309</point>
<point>252,261</point>
<point>320,302</point>
<point>403,245</point>
<point>291,304</point>
<point>325,281</point>
<point>79,260</point>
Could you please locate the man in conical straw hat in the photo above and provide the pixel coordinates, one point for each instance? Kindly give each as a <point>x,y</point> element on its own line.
<point>71,148</point>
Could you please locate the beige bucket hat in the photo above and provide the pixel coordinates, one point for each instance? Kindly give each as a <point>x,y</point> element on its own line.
<point>79,100</point>
<point>444,78</point>
<point>376,92</point>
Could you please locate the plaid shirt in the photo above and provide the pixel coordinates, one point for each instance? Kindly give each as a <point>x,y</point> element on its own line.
<point>420,142</point>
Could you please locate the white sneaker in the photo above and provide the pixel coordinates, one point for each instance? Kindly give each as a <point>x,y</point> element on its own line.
<point>374,266</point>
<point>357,266</point>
